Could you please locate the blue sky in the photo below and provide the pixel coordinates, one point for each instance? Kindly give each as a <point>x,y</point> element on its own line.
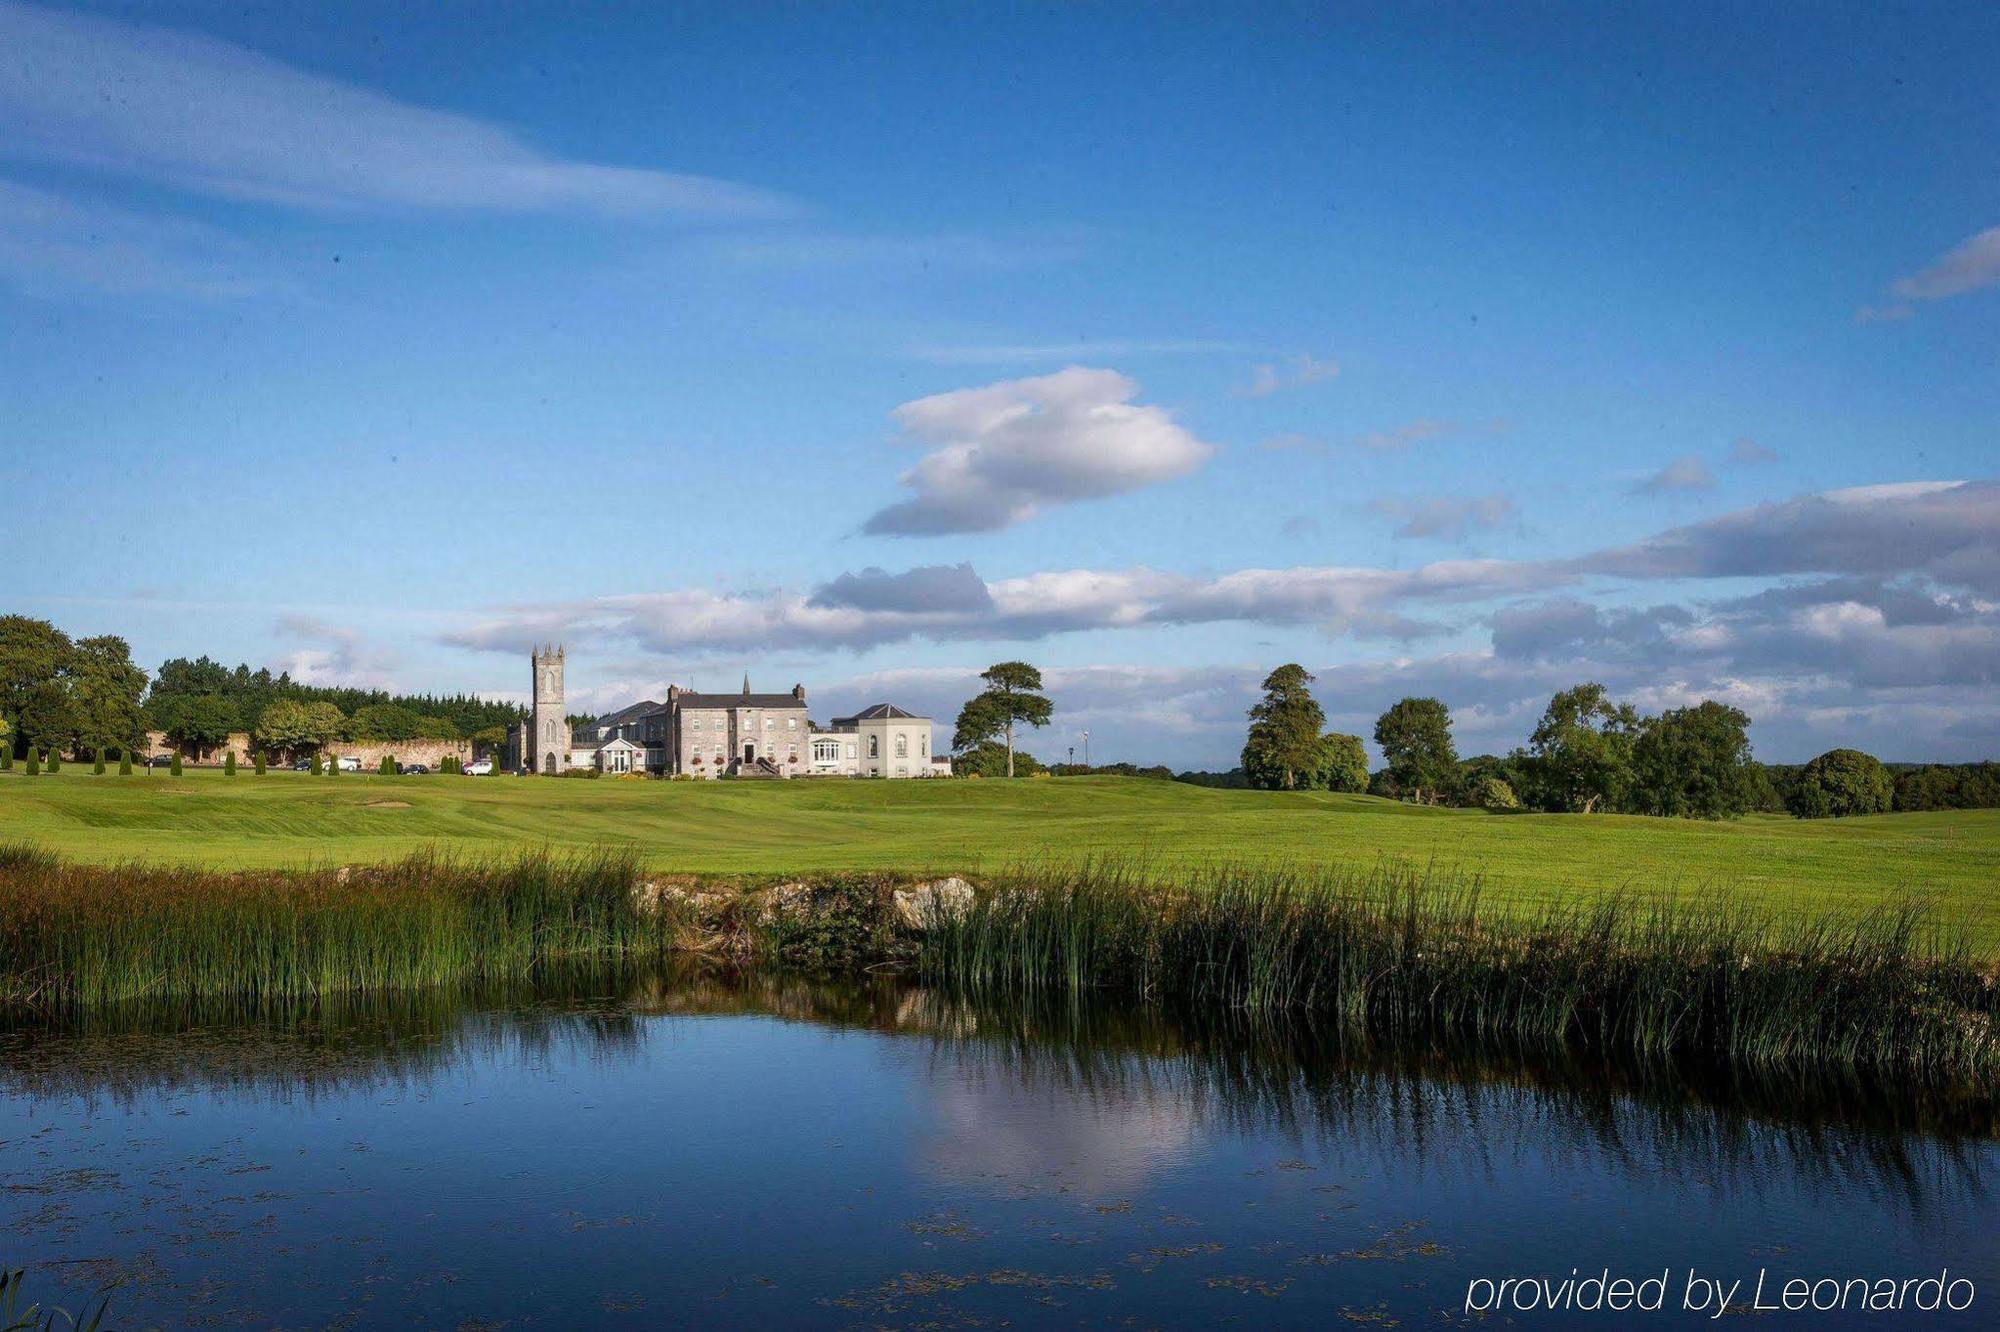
<point>1454,352</point>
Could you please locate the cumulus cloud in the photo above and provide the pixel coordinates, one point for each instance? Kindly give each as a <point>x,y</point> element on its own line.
<point>1969,266</point>
<point>1293,372</point>
<point>1680,476</point>
<point>342,657</point>
<point>1446,517</point>
<point>215,118</point>
<point>1004,452</point>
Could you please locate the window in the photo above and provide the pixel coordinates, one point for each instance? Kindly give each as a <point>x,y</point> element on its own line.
<point>850,749</point>
<point>791,723</point>
<point>902,746</point>
<point>874,746</point>
<point>770,723</point>
<point>694,723</point>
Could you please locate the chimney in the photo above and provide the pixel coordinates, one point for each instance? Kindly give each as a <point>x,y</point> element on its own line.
<point>799,692</point>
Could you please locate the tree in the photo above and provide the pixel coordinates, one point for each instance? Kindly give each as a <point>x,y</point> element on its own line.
<point>1343,764</point>
<point>315,769</point>
<point>47,715</point>
<point>174,767</point>
<point>1693,763</point>
<point>1494,793</point>
<point>1582,751</point>
<point>33,653</point>
<point>297,727</point>
<point>124,763</point>
<point>258,763</point>
<point>989,758</point>
<point>55,761</point>
<point>1841,783</point>
<point>1010,697</point>
<point>387,767</point>
<point>107,687</point>
<point>229,764</point>
<point>97,764</point>
<point>1284,745</point>
<point>200,723</point>
<point>34,762</point>
<point>384,721</point>
<point>1415,737</point>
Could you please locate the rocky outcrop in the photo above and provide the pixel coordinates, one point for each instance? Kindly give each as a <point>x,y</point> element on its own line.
<point>926,906</point>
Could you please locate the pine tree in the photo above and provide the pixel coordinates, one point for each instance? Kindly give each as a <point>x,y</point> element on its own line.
<point>34,762</point>
<point>6,755</point>
<point>229,764</point>
<point>174,768</point>
<point>97,765</point>
<point>315,769</point>
<point>260,762</point>
<point>55,761</point>
<point>333,765</point>
<point>124,763</point>
<point>387,767</point>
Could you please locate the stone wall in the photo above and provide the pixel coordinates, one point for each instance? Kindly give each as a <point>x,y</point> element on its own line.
<point>370,752</point>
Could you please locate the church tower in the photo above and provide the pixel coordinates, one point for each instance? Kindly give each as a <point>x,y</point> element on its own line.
<point>548,734</point>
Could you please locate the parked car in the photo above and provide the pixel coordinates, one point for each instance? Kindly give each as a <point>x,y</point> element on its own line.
<point>160,761</point>
<point>348,764</point>
<point>416,770</point>
<point>481,768</point>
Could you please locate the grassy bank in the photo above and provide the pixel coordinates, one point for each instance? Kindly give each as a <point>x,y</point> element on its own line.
<point>1391,952</point>
<point>1528,862</point>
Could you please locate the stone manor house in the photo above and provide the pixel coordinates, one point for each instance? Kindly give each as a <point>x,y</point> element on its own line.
<point>718,735</point>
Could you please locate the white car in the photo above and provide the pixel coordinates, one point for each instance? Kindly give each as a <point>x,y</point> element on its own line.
<point>483,768</point>
<point>348,764</point>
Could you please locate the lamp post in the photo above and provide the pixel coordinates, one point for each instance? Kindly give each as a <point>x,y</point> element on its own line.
<point>1086,749</point>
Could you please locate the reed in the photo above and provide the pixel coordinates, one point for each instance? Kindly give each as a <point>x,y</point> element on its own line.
<point>1403,953</point>
<point>74,936</point>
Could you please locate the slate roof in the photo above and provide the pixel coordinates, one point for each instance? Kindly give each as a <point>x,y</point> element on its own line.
<point>739,701</point>
<point>877,713</point>
<point>631,714</point>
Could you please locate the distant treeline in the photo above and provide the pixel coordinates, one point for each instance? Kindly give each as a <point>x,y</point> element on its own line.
<point>86,696</point>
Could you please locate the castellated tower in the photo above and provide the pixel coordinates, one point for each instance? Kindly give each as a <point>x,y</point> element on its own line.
<point>548,734</point>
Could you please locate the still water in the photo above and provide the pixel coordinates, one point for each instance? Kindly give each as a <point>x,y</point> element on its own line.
<point>760,1150</point>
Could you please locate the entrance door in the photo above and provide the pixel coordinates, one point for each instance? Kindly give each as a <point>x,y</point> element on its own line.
<point>749,753</point>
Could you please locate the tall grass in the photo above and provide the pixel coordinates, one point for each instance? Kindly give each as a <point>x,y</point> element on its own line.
<point>73,936</point>
<point>1403,953</point>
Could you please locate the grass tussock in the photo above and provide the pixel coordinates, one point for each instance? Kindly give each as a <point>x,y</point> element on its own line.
<point>75,936</point>
<point>1402,953</point>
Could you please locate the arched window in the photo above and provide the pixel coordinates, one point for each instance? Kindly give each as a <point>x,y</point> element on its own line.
<point>874,746</point>
<point>902,746</point>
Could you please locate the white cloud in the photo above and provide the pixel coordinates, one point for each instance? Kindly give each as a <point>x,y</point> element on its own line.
<point>1967,267</point>
<point>1293,372</point>
<point>50,245</point>
<point>346,659</point>
<point>1680,476</point>
<point>214,118</point>
<point>1402,436</point>
<point>1747,452</point>
<point>1081,349</point>
<point>1004,452</point>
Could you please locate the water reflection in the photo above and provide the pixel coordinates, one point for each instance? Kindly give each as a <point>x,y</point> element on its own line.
<point>875,1127</point>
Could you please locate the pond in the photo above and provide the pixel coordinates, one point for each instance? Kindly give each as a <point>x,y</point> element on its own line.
<point>757,1149</point>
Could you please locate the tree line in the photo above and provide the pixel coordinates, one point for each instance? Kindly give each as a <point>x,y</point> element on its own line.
<point>85,696</point>
<point>1589,753</point>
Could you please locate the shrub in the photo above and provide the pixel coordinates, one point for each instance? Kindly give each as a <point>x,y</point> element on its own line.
<point>387,767</point>
<point>34,762</point>
<point>315,768</point>
<point>229,764</point>
<point>97,764</point>
<point>259,762</point>
<point>1494,793</point>
<point>175,766</point>
<point>55,760</point>
<point>124,763</point>
<point>1840,783</point>
<point>6,756</point>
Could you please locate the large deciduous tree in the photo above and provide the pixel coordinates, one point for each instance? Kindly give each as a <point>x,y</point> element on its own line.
<point>1415,739</point>
<point>198,724</point>
<point>1343,764</point>
<point>1283,746</point>
<point>107,688</point>
<point>297,727</point>
<point>1693,763</point>
<point>33,653</point>
<point>1841,783</point>
<point>1012,696</point>
<point>1582,751</point>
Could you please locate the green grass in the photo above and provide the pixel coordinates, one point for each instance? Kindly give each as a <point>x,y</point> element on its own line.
<point>1838,867</point>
